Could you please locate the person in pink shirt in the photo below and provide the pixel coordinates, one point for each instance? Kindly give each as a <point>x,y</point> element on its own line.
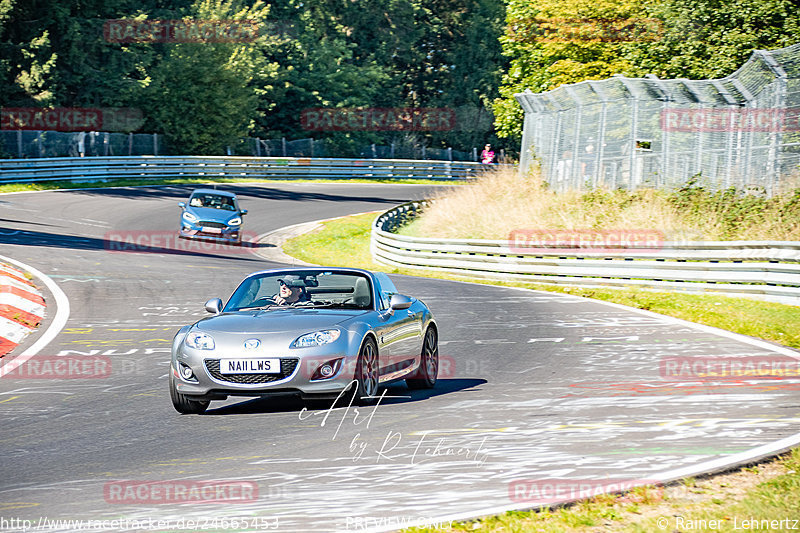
<point>487,156</point>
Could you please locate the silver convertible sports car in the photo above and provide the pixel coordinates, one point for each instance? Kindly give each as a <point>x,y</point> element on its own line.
<point>318,332</point>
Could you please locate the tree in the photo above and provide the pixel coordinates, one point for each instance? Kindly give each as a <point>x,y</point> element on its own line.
<point>705,39</point>
<point>204,95</point>
<point>551,42</point>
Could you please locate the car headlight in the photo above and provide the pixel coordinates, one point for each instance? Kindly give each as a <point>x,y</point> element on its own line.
<point>318,338</point>
<point>235,221</point>
<point>190,217</point>
<point>199,341</point>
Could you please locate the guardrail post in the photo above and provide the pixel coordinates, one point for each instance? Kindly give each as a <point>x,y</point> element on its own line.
<point>283,144</point>
<point>449,153</point>
<point>130,143</point>
<point>19,143</point>
<point>155,144</point>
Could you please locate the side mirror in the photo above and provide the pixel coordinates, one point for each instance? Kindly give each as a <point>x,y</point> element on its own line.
<point>182,205</point>
<point>214,305</point>
<point>243,211</point>
<point>399,301</point>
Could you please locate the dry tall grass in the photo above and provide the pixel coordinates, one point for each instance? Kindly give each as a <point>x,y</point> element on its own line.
<point>502,201</point>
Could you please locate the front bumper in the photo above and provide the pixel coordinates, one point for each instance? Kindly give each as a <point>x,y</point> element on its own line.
<point>228,234</point>
<point>294,377</point>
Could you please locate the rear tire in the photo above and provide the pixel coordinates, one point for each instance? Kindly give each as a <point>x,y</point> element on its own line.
<point>183,404</point>
<point>425,376</point>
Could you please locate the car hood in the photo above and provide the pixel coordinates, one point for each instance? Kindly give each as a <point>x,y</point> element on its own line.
<point>279,321</point>
<point>211,214</point>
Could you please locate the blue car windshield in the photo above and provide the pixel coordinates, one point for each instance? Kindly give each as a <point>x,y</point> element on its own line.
<point>214,201</point>
<point>314,288</point>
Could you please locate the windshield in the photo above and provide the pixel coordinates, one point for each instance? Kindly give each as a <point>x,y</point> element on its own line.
<point>314,288</point>
<point>214,201</point>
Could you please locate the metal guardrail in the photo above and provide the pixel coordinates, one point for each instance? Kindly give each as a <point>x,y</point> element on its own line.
<point>88,168</point>
<point>762,269</point>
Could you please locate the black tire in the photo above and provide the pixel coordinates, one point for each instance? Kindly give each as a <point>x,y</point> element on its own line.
<point>183,404</point>
<point>425,376</point>
<point>367,376</point>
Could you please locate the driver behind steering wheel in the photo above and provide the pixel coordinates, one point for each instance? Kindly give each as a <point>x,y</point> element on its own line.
<point>292,290</point>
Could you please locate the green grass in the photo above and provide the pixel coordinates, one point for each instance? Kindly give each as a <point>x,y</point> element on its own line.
<point>345,242</point>
<point>342,242</point>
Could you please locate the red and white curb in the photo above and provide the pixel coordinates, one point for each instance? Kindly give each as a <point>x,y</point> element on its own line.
<point>21,307</point>
<point>60,303</point>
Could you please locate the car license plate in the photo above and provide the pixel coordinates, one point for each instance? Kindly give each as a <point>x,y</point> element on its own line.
<point>211,230</point>
<point>250,366</point>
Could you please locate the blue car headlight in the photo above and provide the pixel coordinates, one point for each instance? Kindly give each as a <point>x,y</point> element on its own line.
<point>235,221</point>
<point>190,217</point>
<point>199,341</point>
<point>318,338</point>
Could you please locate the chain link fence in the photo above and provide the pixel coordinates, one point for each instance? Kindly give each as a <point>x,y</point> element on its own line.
<point>741,131</point>
<point>23,144</point>
<point>323,148</point>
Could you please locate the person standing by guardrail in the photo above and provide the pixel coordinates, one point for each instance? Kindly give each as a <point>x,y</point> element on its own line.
<point>487,155</point>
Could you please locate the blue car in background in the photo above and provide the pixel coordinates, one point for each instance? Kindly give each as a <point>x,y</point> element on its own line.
<point>212,215</point>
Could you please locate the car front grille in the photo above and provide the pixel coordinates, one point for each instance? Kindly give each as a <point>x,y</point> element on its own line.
<point>209,224</point>
<point>287,367</point>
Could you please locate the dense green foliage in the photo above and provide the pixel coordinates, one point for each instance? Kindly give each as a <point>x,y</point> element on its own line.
<point>309,54</point>
<point>469,56</point>
<point>739,214</point>
<point>553,42</point>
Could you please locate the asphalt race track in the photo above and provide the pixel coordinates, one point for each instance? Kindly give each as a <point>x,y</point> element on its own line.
<point>539,393</point>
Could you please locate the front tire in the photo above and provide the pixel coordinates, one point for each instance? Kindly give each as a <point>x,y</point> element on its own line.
<point>367,373</point>
<point>425,376</point>
<point>183,404</point>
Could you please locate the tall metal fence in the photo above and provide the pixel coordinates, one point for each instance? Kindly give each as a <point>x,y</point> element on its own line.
<point>740,131</point>
<point>24,144</point>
